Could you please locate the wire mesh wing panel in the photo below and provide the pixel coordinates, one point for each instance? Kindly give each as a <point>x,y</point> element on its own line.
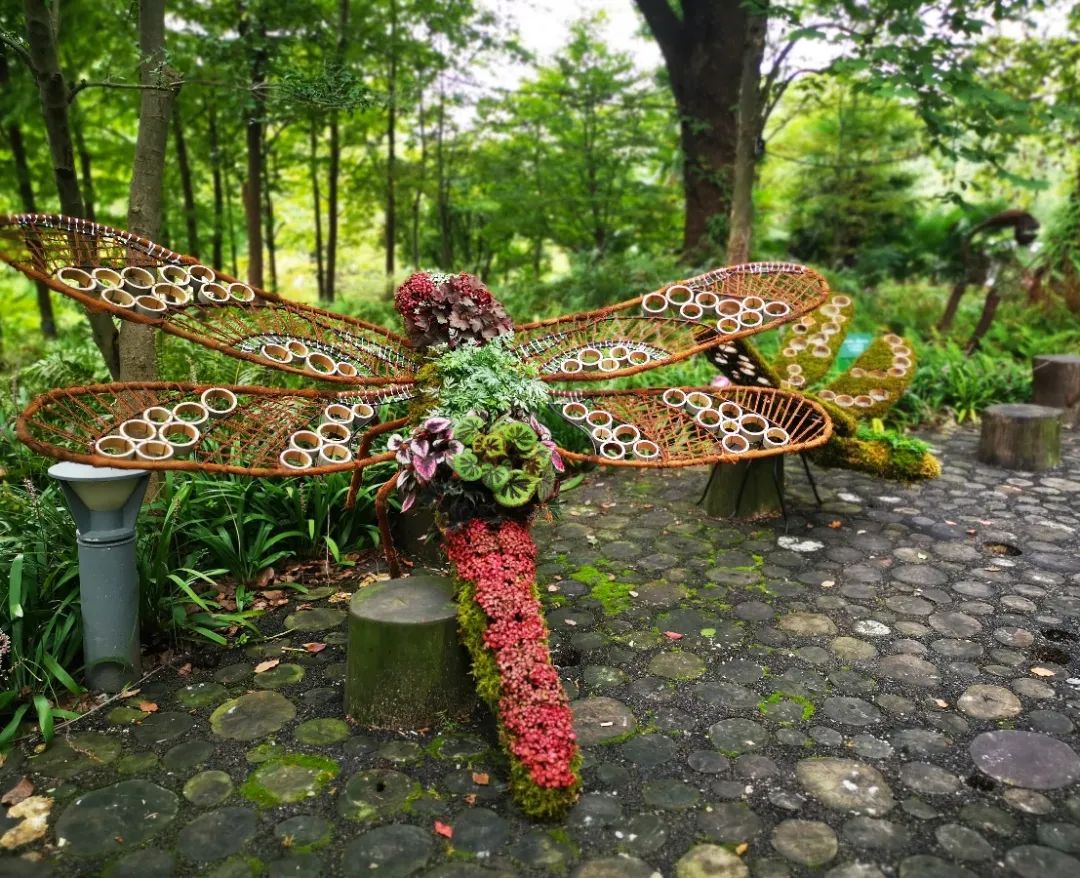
<point>254,431</point>
<point>687,426</point>
<point>678,321</point>
<point>135,279</point>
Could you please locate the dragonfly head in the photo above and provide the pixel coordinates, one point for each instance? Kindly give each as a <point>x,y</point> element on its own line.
<point>449,309</point>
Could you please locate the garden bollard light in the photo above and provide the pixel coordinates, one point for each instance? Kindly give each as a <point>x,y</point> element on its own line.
<point>105,504</point>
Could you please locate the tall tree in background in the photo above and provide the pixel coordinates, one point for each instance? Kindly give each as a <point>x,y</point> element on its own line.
<point>24,180</point>
<point>138,361</point>
<point>252,31</point>
<point>41,57</point>
<point>332,207</point>
<point>703,42</point>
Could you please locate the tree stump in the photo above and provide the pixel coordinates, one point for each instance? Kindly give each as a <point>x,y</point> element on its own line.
<point>407,667</point>
<point>1024,437</point>
<point>1056,383</point>
<point>749,490</point>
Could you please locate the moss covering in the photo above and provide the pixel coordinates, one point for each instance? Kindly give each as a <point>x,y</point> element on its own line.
<point>877,457</point>
<point>534,800</point>
<point>878,357</point>
<point>614,597</point>
<point>813,368</point>
<point>289,778</point>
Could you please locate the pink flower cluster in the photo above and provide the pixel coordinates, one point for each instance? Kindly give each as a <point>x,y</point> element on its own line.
<point>449,309</point>
<point>499,558</point>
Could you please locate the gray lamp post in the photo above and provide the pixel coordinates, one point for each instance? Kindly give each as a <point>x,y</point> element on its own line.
<point>105,504</point>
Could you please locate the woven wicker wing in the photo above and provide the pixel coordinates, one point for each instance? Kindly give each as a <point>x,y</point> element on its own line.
<point>687,426</point>
<point>135,279</point>
<point>254,431</point>
<point>680,320</point>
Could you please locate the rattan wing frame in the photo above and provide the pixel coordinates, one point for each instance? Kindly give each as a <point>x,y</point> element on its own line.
<point>39,245</point>
<point>806,421</point>
<point>672,339</point>
<point>65,422</point>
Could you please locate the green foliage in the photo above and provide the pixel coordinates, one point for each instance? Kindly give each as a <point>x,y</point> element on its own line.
<point>489,379</point>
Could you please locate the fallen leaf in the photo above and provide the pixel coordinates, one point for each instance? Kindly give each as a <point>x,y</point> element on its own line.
<point>267,665</point>
<point>828,583</point>
<point>444,829</point>
<point>147,706</point>
<point>22,790</point>
<point>339,597</point>
<point>314,647</point>
<point>480,778</point>
<point>742,848</point>
<point>184,670</point>
<point>273,594</point>
<point>941,703</point>
<point>836,524</point>
<point>34,814</point>
<point>1042,672</point>
<point>971,531</point>
<point>470,798</point>
<point>673,635</point>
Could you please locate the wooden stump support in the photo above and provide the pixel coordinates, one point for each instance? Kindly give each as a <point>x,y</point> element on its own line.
<point>1022,437</point>
<point>406,665</point>
<point>1056,383</point>
<point>750,490</point>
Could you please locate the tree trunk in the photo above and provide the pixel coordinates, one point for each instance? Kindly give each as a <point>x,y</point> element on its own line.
<point>335,163</point>
<point>138,351</point>
<point>52,90</point>
<point>85,164</point>
<point>24,180</point>
<point>254,139</point>
<point>268,213</point>
<point>703,52</point>
<point>446,241</point>
<point>1024,437</point>
<point>320,277</point>
<point>332,208</point>
<point>183,164</point>
<point>741,224</point>
<point>217,239</point>
<point>391,134</point>
<point>1056,383</point>
<point>749,490</point>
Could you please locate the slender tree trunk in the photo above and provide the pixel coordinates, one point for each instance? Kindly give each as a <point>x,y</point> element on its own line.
<point>138,349</point>
<point>268,214</point>
<point>41,43</point>
<point>332,207</point>
<point>334,171</point>
<point>703,52</point>
<point>320,277</point>
<point>230,224</point>
<point>24,180</point>
<point>216,240</point>
<point>391,157</point>
<point>414,232</point>
<point>86,170</point>
<point>741,224</point>
<point>253,200</point>
<point>446,238</point>
<point>183,165</point>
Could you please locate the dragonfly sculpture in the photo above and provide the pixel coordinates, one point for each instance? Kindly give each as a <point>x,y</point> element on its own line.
<point>456,402</point>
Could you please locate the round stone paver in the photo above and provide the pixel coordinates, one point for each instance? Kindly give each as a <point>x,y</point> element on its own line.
<point>1026,759</point>
<point>733,737</point>
<point>809,842</point>
<point>395,851</point>
<point>929,779</point>
<point>1036,861</point>
<point>252,716</point>
<point>710,861</point>
<point>321,732</point>
<point>107,820</point>
<point>846,785</point>
<point>208,789</point>
<point>806,624</point>
<point>677,666</point>
<point>989,702</point>
<point>289,778</point>
<point>601,719</point>
<point>376,793</point>
<point>217,834</point>
<point>316,619</point>
<point>614,867</point>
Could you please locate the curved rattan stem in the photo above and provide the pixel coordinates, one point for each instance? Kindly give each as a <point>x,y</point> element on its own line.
<point>364,448</point>
<point>381,499</point>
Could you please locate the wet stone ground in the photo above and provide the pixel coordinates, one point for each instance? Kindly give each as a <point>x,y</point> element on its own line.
<point>888,687</point>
